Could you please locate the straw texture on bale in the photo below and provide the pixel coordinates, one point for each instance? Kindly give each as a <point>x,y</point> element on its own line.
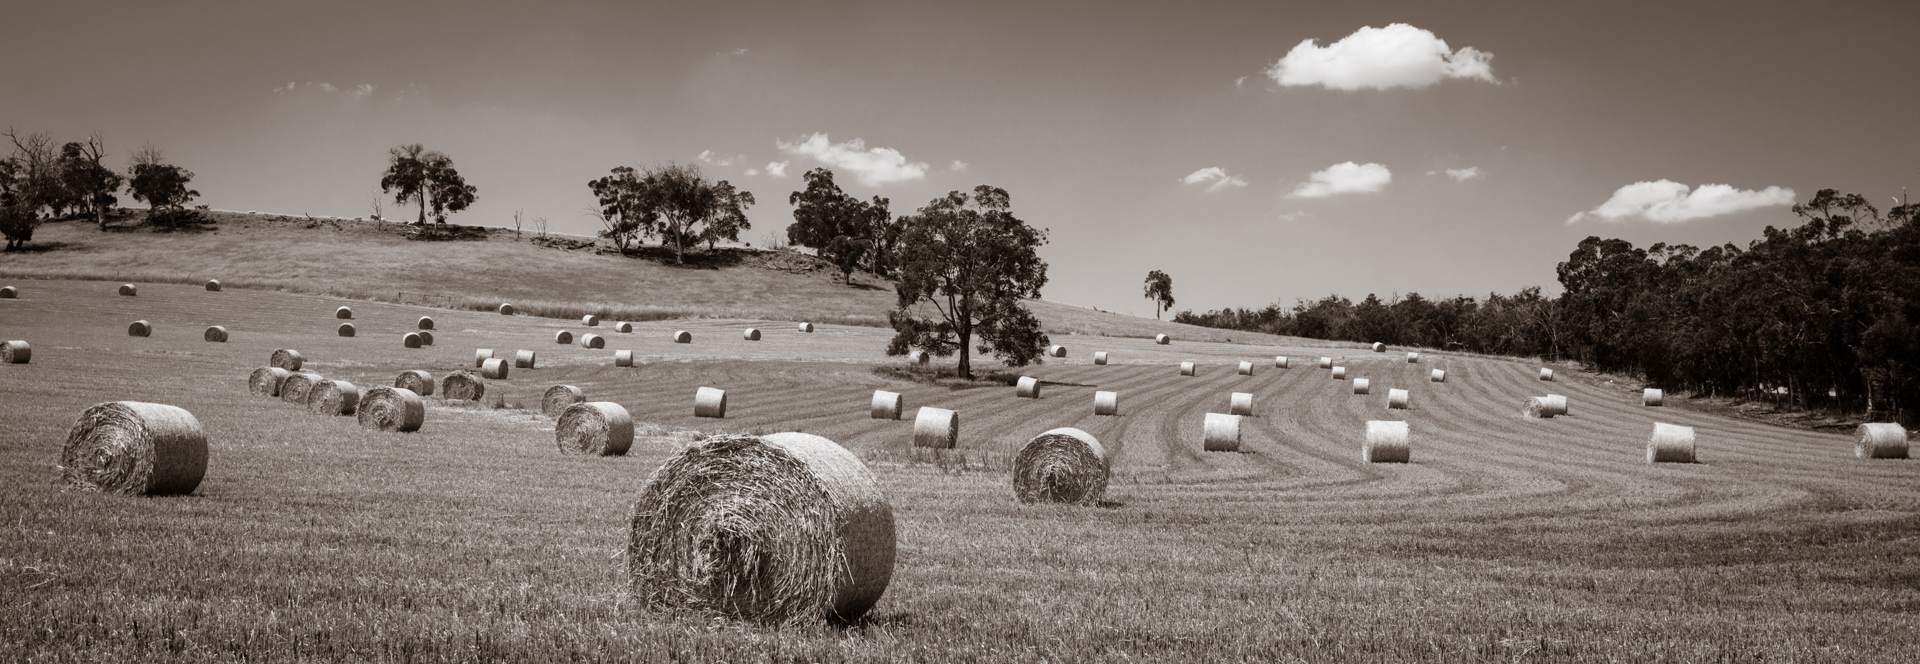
<point>216,334</point>
<point>481,355</point>
<point>343,313</point>
<point>1326,362</point>
<point>333,397</point>
<point>1056,350</point>
<point>505,309</point>
<point>563,337</point>
<point>417,381</point>
<point>9,292</point>
<point>425,323</point>
<point>1246,368</point>
<point>623,327</point>
<point>140,328</point>
<point>779,529</point>
<point>1027,388</point>
<point>1186,369</point>
<point>600,428</point>
<point>1398,399</point>
<point>265,381</point>
<point>1545,407</point>
<point>1362,386</point>
<point>1162,339</point>
<point>129,290</point>
<point>682,337</point>
<point>919,357</point>
<point>15,352</point>
<point>495,368</point>
<point>524,359</point>
<point>1379,347</point>
<point>1386,442</point>
<point>1881,440</point>
<point>1670,444</point>
<point>462,386</point>
<point>297,387</point>
<point>132,447</point>
<point>559,397</point>
<point>1100,357</point>
<point>806,327</point>
<point>1437,375</point>
<point>751,334</point>
<point>347,330</point>
<point>1064,465</point>
<point>593,341</point>
<point>886,405</point>
<point>392,409</point>
<point>936,427</point>
<point>1339,373</point>
<point>213,285</point>
<point>710,402</point>
<point>426,338</point>
<point>590,320</point>
<point>412,340</point>
<point>1653,397</point>
<point>1413,358</point>
<point>622,358</point>
<point>1221,433</point>
<point>1546,374</point>
<point>1241,403</point>
<point>1106,403</point>
<point>1280,362</point>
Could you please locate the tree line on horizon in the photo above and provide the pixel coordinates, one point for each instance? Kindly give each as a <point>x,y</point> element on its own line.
<point>1822,314</point>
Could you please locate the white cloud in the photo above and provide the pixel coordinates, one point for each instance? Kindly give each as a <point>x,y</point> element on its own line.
<point>777,168</point>
<point>1344,178</point>
<point>1398,55</point>
<point>753,171</point>
<point>363,91</point>
<point>872,167</point>
<point>1215,174</point>
<point>1465,174</point>
<point>1295,215</point>
<point>1669,202</point>
<point>1240,82</point>
<point>958,166</point>
<point>711,158</point>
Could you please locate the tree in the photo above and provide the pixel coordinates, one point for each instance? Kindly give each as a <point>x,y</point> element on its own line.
<point>162,186</point>
<point>624,208</point>
<point>728,216</point>
<point>966,258</point>
<point>88,182</point>
<point>1160,290</point>
<point>29,183</point>
<point>429,179</point>
<point>690,208</point>
<point>842,228</point>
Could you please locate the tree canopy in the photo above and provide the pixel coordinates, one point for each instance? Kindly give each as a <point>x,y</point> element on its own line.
<point>1159,288</point>
<point>429,179</point>
<point>162,186</point>
<point>675,203</point>
<point>966,266</point>
<point>842,228</point>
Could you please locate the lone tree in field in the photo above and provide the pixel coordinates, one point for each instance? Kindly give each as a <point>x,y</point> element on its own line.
<point>1160,290</point>
<point>162,186</point>
<point>89,184</point>
<point>842,228</point>
<point>429,179</point>
<point>624,208</point>
<point>970,262</point>
<point>675,202</point>
<point>29,183</point>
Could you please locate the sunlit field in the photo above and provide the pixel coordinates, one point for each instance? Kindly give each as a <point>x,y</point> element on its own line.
<point>1505,538</point>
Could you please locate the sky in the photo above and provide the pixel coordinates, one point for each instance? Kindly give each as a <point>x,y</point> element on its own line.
<point>1257,152</point>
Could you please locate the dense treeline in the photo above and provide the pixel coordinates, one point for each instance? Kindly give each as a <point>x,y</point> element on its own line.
<point>1821,314</point>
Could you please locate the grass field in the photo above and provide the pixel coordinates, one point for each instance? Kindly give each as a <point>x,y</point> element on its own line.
<point>473,539</point>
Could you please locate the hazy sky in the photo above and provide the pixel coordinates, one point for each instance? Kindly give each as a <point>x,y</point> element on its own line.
<point>1255,151</point>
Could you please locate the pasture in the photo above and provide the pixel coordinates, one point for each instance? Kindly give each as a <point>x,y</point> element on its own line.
<point>1505,538</point>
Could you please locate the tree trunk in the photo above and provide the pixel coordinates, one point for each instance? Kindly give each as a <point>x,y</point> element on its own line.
<point>423,214</point>
<point>966,343</point>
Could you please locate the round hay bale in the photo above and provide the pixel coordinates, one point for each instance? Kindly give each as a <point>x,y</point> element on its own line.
<point>1379,347</point>
<point>505,309</point>
<point>412,340</point>
<point>1558,403</point>
<point>806,327</point>
<point>1362,386</point>
<point>622,358</point>
<point>347,330</point>
<point>426,338</point>
<point>623,327</point>
<point>563,337</point>
<point>778,529</point>
<point>425,323</point>
<point>1398,399</point>
<point>15,352</point>
<point>710,402</point>
<point>1670,444</point>
<point>1162,339</point>
<point>524,359</point>
<point>559,397</point>
<point>1241,403</point>
<point>751,334</point>
<point>392,409</point>
<point>1100,358</point>
<point>265,381</point>
<point>1413,358</point>
<point>919,357</point>
<point>682,337</point>
<point>601,428</point>
<point>886,405</point>
<point>1386,442</point>
<point>1339,373</point>
<point>1064,465</point>
<point>1221,433</point>
<point>1437,375</point>
<point>1056,350</point>
<point>417,381</point>
<point>481,355</point>
<point>140,328</point>
<point>333,397</point>
<point>1881,440</point>
<point>132,447</point>
<point>213,285</point>
<point>590,320</point>
<point>1326,362</point>
<point>593,341</point>
<point>1546,374</point>
<point>9,292</point>
<point>1027,388</point>
<point>1246,368</point>
<point>129,290</point>
<point>1545,407</point>
<point>1653,397</point>
<point>1106,403</point>
<point>343,313</point>
<point>297,387</point>
<point>462,385</point>
<point>495,368</point>
<point>216,334</point>
<point>1187,369</point>
<point>1280,362</point>
<point>936,427</point>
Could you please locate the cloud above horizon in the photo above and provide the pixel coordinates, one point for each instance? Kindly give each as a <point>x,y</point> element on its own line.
<point>1217,176</point>
<point>1465,174</point>
<point>1669,202</point>
<point>1396,56</point>
<point>1344,178</point>
<point>873,167</point>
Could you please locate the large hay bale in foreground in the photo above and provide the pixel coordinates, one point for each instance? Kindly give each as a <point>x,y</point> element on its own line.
<point>779,529</point>
<point>216,334</point>
<point>559,397</point>
<point>1326,362</point>
<point>1280,362</point>
<point>481,355</point>
<point>1413,358</point>
<point>710,402</point>
<point>1240,403</point>
<point>1437,375</point>
<point>1064,465</point>
<point>524,359</point>
<point>624,327</point>
<point>593,341</point>
<point>417,381</point>
<point>622,358</point>
<point>425,323</point>
<point>286,358</point>
<point>1362,386</point>
<point>505,309</point>
<point>682,337</point>
<point>1246,368</point>
<point>590,320</point>
<point>806,327</point>
<point>133,447</point>
<point>1339,373</point>
<point>343,313</point>
<point>213,285</point>
<point>1398,399</point>
<point>1386,442</point>
<point>1100,358</point>
<point>750,335</point>
<point>297,387</point>
<point>1653,397</point>
<point>494,368</point>
<point>1221,433</point>
<point>886,405</point>
<point>129,290</point>
<point>1881,440</point>
<point>1027,388</point>
<point>1106,403</point>
<point>462,385</point>
<point>347,330</point>
<point>266,381</point>
<point>392,409</point>
<point>563,337</point>
<point>601,428</point>
<point>1162,339</point>
<point>1056,350</point>
<point>333,397</point>
<point>16,352</point>
<point>1186,369</point>
<point>1670,444</point>
<point>1379,347</point>
<point>936,427</point>
<point>9,292</point>
<point>1546,374</point>
<point>140,328</point>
